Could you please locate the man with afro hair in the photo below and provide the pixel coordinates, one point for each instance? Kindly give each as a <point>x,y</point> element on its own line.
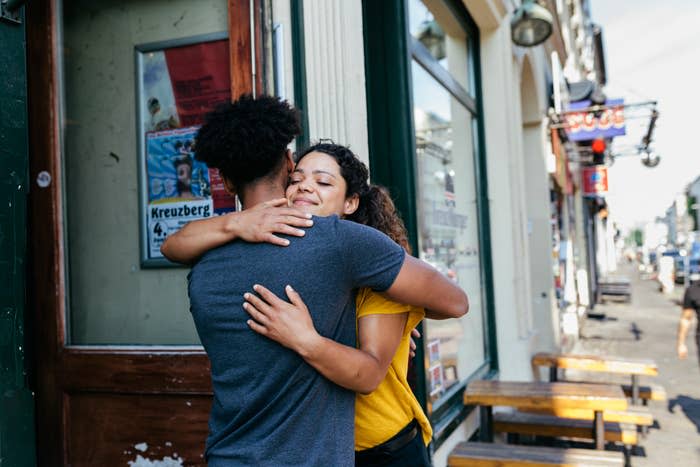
<point>247,141</point>
<point>271,408</point>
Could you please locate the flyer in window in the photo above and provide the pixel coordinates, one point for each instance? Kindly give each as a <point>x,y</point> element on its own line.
<point>436,380</point>
<point>433,351</point>
<point>179,83</point>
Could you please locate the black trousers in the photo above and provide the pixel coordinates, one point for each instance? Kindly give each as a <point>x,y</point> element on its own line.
<point>412,454</point>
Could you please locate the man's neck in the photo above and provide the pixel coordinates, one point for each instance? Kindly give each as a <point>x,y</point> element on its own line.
<point>262,191</point>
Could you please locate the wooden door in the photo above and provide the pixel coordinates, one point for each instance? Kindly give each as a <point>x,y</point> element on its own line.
<point>98,404</point>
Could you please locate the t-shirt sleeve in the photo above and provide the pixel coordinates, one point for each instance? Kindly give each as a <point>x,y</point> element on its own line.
<point>373,303</point>
<point>371,258</point>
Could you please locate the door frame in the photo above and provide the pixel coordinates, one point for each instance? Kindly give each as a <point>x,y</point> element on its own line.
<point>16,398</point>
<point>61,370</point>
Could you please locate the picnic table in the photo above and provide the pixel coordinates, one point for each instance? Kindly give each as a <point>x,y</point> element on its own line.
<point>548,396</point>
<point>618,286</point>
<point>597,363</point>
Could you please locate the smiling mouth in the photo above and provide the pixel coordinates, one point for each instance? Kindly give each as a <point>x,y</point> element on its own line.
<point>303,202</point>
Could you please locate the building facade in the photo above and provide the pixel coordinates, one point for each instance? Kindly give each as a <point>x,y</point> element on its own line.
<point>433,95</point>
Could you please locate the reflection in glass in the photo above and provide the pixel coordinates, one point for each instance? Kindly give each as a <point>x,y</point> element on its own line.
<point>443,37</point>
<point>448,227</point>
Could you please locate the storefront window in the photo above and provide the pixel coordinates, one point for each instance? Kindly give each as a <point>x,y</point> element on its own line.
<point>446,132</point>
<point>448,233</point>
<point>137,77</point>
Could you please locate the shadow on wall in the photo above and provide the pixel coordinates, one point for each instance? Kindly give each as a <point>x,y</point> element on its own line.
<point>689,406</point>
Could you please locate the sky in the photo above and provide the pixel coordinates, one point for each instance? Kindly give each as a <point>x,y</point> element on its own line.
<point>652,52</point>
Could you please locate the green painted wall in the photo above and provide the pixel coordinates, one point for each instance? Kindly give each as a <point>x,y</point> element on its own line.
<point>16,400</point>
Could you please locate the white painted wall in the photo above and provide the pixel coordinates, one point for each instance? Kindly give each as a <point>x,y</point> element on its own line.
<point>534,105</point>
<point>335,73</point>
<point>510,253</point>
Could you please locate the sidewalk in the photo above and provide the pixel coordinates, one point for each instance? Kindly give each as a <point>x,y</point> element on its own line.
<point>646,328</point>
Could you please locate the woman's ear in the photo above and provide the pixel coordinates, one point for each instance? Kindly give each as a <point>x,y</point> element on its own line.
<point>351,204</point>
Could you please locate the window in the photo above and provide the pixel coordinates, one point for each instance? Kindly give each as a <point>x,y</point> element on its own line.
<point>448,230</point>
<point>445,121</point>
<point>112,299</point>
<point>450,198</point>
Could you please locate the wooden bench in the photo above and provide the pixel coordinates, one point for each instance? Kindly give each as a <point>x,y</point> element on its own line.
<point>616,286</point>
<point>596,397</point>
<point>596,363</point>
<point>471,454</point>
<point>556,427</point>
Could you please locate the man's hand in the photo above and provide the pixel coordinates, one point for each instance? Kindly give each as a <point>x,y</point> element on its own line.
<point>261,222</point>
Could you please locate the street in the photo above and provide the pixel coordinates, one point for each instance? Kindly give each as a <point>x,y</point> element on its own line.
<point>646,328</point>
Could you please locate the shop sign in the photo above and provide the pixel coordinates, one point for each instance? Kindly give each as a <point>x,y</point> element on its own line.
<point>585,126</point>
<point>595,180</point>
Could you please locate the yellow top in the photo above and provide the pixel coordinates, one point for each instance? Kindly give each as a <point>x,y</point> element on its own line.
<point>384,412</point>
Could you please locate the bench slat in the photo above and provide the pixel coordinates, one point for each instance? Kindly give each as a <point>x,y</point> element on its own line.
<point>545,395</point>
<point>549,425</point>
<point>634,415</point>
<point>597,363</point>
<point>653,392</point>
<point>475,454</point>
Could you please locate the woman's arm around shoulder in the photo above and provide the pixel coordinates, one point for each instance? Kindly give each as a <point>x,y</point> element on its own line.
<point>290,324</point>
<point>257,224</point>
<point>420,284</point>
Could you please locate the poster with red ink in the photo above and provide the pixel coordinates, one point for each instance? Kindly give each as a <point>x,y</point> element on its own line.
<point>178,82</point>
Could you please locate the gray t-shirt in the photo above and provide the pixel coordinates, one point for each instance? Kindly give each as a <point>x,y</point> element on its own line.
<point>271,408</point>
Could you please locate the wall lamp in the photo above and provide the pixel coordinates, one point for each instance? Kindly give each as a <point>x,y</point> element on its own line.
<point>532,24</point>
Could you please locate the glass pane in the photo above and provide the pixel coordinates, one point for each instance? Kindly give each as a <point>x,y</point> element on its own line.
<point>435,26</point>
<point>448,234</point>
<point>112,300</point>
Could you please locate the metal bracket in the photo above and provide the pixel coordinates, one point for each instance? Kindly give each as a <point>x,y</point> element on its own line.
<point>10,10</point>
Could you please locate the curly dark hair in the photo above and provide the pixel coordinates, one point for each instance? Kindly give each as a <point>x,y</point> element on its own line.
<point>376,208</point>
<point>246,139</point>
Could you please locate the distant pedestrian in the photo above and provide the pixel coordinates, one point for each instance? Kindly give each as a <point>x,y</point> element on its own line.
<point>691,306</point>
<point>665,275</point>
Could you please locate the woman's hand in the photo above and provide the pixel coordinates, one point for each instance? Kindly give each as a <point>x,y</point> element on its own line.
<point>284,322</point>
<point>261,222</point>
<point>415,334</point>
<point>257,224</point>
